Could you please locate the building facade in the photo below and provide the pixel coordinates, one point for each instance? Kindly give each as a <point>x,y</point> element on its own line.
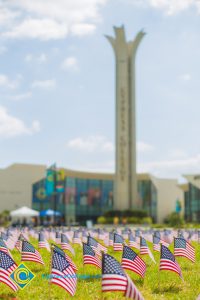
<point>191,192</point>
<point>86,196</point>
<point>16,185</point>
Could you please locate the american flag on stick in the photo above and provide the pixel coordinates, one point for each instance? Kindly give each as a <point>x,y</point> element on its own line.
<point>132,241</point>
<point>62,273</point>
<point>168,262</point>
<point>111,238</point>
<point>72,264</point>
<point>183,248</point>
<point>58,236</point>
<point>76,238</point>
<point>42,242</point>
<point>144,249</point>
<point>131,261</point>
<point>18,244</point>
<point>118,242</point>
<point>3,246</point>
<point>96,246</point>
<point>29,253</point>
<point>156,243</point>
<point>65,244</point>
<point>7,266</point>
<point>90,257</point>
<point>115,279</point>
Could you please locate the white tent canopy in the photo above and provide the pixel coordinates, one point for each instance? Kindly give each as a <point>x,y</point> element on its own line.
<point>24,212</point>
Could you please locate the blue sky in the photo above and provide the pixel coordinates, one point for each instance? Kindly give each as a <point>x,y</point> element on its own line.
<point>57,83</point>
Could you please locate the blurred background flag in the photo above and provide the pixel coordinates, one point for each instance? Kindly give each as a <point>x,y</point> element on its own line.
<point>50,179</point>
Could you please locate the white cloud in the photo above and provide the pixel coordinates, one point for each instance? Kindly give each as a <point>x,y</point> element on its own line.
<point>82,29</point>
<point>144,147</point>
<point>50,19</point>
<point>185,77</point>
<point>3,49</point>
<point>44,84</point>
<point>91,144</point>
<point>70,63</point>
<point>42,58</point>
<point>11,126</point>
<point>170,7</point>
<point>8,83</point>
<point>36,28</point>
<point>178,154</point>
<point>35,126</point>
<point>102,144</point>
<point>19,97</point>
<point>172,167</point>
<point>28,57</point>
<point>101,166</point>
<point>7,16</point>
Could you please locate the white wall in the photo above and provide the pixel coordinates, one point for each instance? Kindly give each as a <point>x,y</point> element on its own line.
<point>16,185</point>
<point>168,192</point>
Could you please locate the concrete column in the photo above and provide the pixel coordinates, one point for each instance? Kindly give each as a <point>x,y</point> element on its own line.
<point>125,185</point>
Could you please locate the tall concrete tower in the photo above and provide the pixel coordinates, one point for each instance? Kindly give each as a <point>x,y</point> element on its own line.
<point>125,193</point>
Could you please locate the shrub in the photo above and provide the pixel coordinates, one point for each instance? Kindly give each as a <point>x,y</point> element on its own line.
<point>126,213</point>
<point>112,214</point>
<point>134,213</point>
<point>147,220</point>
<point>109,220</point>
<point>133,220</point>
<point>174,220</point>
<point>101,220</point>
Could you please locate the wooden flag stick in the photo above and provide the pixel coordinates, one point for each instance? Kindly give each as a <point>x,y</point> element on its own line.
<point>50,266</point>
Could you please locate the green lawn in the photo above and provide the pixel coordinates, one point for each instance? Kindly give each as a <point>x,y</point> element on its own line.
<point>156,285</point>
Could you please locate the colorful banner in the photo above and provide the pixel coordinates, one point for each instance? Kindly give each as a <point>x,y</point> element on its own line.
<point>50,180</point>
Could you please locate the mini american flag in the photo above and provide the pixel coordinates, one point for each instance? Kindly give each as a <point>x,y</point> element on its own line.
<point>115,279</point>
<point>9,240</point>
<point>76,238</point>
<point>65,244</point>
<point>132,241</point>
<point>4,236</point>
<point>167,237</point>
<point>18,244</point>
<point>89,256</point>
<point>84,236</point>
<point>198,233</point>
<point>72,264</point>
<point>118,242</point>
<point>3,246</point>
<point>183,248</point>
<point>29,253</point>
<point>131,261</point>
<point>101,234</point>
<point>42,242</point>
<point>7,266</point>
<point>58,236</point>
<point>156,243</point>
<point>168,262</point>
<point>62,273</point>
<point>157,233</point>
<point>111,238</point>
<point>144,249</point>
<point>96,246</point>
<point>125,233</point>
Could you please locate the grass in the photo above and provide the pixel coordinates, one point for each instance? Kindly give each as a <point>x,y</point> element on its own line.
<point>156,285</point>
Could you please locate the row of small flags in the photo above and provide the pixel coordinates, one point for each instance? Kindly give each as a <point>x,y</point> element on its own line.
<point>114,277</point>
